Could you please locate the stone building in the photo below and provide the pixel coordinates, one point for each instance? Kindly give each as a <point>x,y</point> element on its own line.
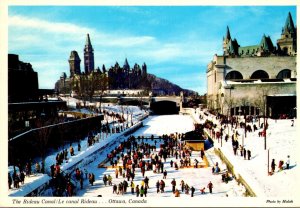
<point>88,56</point>
<point>121,77</point>
<point>255,80</point>
<point>74,62</point>
<point>23,83</point>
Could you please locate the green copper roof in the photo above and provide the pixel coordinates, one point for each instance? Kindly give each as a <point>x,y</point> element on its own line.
<point>289,24</point>
<point>248,50</point>
<point>233,46</point>
<point>266,43</point>
<point>228,34</point>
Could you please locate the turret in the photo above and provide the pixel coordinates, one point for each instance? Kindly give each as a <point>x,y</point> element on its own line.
<point>88,56</point>
<point>74,62</point>
<point>226,41</point>
<point>287,44</point>
<point>144,69</point>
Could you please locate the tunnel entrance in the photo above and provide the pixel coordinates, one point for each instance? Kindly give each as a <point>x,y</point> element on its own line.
<point>164,108</point>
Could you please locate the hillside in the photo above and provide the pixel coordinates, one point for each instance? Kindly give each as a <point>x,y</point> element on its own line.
<point>160,84</point>
<point>151,82</point>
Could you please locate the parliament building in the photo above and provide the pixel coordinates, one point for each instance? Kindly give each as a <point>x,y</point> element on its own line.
<point>121,77</point>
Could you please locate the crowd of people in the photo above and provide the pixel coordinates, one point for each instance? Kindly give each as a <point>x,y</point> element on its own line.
<point>138,153</point>
<point>239,149</point>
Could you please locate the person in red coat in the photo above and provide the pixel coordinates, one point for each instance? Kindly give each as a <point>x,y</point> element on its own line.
<point>210,186</point>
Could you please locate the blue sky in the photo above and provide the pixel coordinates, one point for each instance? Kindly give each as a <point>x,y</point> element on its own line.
<point>176,42</point>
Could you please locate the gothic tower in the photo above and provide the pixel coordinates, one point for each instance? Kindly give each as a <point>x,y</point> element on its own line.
<point>226,41</point>
<point>288,41</point>
<point>144,69</point>
<point>230,47</point>
<point>88,56</point>
<point>126,67</point>
<point>74,62</point>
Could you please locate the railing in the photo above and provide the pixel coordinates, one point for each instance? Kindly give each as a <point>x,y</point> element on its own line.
<point>49,126</point>
<point>238,177</point>
<point>85,161</point>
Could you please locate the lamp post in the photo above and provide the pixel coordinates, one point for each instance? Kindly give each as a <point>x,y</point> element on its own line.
<point>265,128</point>
<point>227,122</point>
<point>258,117</point>
<point>245,117</point>
<point>268,160</point>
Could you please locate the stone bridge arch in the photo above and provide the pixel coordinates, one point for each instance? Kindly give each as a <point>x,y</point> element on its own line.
<point>164,107</point>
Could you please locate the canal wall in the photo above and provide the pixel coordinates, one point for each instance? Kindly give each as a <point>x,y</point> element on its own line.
<point>238,176</point>
<point>89,157</point>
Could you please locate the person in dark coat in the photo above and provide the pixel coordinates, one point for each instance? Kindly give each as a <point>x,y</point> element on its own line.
<point>146,180</point>
<point>202,154</point>
<point>165,174</point>
<point>245,155</point>
<point>79,147</point>
<point>9,181</point>
<point>182,185</point>
<point>22,177</point>
<point>210,186</point>
<point>249,154</point>
<point>115,188</point>
<point>157,186</point>
<point>273,165</point>
<point>193,191</point>
<point>173,182</point>
<point>52,170</point>
<point>105,180</point>
<point>137,190</point>
<point>16,180</point>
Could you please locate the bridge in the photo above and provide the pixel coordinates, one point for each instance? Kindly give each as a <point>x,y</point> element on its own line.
<point>158,104</point>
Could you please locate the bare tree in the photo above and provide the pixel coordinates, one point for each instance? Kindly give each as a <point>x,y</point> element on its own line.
<point>80,85</point>
<point>101,86</point>
<point>229,103</point>
<point>42,135</point>
<point>261,102</point>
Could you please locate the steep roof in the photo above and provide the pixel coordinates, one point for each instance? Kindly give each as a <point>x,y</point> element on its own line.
<point>248,50</point>
<point>74,56</point>
<point>88,40</point>
<point>228,37</point>
<point>289,24</point>
<point>233,47</point>
<point>126,65</point>
<point>266,43</point>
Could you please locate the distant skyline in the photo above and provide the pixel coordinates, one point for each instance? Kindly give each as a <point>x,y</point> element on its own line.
<point>176,42</point>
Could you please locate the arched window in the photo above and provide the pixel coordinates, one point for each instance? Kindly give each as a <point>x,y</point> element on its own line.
<point>234,75</point>
<point>260,74</point>
<point>285,73</point>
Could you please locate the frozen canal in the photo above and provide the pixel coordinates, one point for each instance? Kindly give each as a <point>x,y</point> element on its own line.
<point>196,177</point>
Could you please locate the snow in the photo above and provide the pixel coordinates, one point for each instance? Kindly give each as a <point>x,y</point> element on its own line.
<point>83,156</point>
<point>197,177</point>
<point>281,141</point>
<point>31,183</point>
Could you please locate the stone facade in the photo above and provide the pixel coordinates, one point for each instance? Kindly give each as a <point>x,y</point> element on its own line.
<point>120,77</point>
<point>257,83</point>
<point>88,56</point>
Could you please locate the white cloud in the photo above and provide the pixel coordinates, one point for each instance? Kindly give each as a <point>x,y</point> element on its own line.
<point>55,40</point>
<point>43,25</point>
